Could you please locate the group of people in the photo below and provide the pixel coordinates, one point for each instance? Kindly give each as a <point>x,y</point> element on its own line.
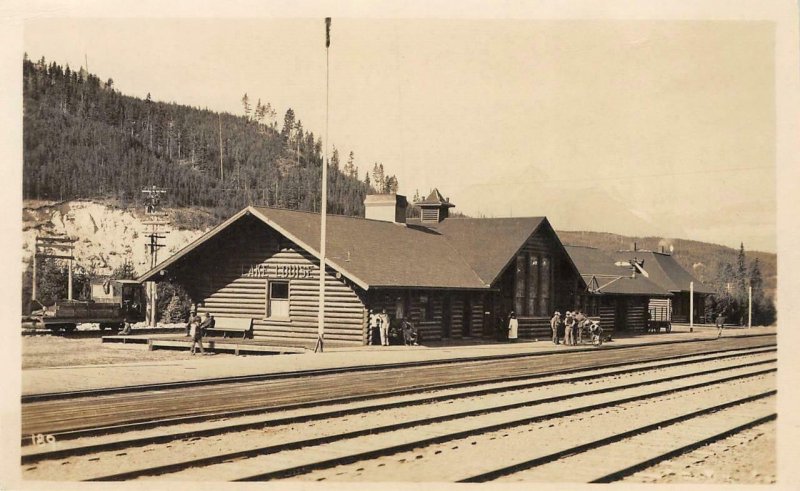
<point>196,328</point>
<point>380,326</point>
<point>572,326</point>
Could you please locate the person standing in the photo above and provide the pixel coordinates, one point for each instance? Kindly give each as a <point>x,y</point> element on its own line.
<point>384,327</point>
<point>373,327</point>
<point>196,334</point>
<point>513,327</point>
<point>569,321</point>
<point>554,322</point>
<point>580,322</point>
<point>192,318</point>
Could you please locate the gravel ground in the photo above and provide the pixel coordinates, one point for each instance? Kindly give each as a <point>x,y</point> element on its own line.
<point>57,351</point>
<point>747,457</point>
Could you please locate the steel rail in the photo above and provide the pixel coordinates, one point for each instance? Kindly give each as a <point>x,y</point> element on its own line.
<point>504,471</point>
<point>361,455</point>
<point>529,380</point>
<point>276,421</point>
<point>621,473</point>
<point>27,398</point>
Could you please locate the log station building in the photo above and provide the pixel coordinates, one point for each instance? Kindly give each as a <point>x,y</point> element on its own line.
<point>452,277</point>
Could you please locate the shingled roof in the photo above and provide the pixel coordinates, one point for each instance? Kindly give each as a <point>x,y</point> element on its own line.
<point>456,253</point>
<point>665,271</point>
<point>594,264</point>
<point>488,244</point>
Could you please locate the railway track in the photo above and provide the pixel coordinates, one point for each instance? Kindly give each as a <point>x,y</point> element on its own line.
<point>313,442</point>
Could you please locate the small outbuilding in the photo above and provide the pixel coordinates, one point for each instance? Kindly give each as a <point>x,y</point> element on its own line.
<point>616,292</point>
<point>665,271</point>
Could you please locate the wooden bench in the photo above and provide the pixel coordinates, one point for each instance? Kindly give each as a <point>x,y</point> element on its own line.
<point>225,325</point>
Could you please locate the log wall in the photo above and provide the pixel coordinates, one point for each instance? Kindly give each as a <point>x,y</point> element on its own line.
<point>230,278</point>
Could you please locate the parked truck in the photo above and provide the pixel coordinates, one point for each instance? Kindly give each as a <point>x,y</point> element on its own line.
<point>113,303</point>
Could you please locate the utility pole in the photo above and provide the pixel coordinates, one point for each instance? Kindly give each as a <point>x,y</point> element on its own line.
<point>157,220</point>
<point>324,201</point>
<point>691,306</point>
<point>749,306</point>
<point>56,247</point>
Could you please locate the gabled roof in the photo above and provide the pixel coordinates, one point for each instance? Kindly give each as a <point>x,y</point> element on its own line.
<point>456,253</point>
<point>488,244</point>
<point>597,268</point>
<point>371,253</point>
<point>665,271</point>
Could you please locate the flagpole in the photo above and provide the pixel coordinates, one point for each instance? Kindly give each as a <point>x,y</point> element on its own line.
<point>324,201</point>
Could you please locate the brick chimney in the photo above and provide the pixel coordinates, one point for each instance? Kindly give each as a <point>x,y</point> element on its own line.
<point>386,207</point>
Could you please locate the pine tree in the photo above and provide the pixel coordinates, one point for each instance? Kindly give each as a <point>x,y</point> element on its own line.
<point>246,106</point>
<point>741,270</point>
<point>288,124</point>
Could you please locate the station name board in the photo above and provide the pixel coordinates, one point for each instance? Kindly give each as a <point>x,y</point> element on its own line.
<point>282,271</point>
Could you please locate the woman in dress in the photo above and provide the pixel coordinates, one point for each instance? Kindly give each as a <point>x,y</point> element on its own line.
<point>513,327</point>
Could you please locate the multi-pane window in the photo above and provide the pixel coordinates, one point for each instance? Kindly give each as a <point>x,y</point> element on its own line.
<point>278,300</point>
<point>533,284</point>
<point>544,289</point>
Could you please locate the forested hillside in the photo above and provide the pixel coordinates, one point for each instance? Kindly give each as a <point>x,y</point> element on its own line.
<point>84,139</point>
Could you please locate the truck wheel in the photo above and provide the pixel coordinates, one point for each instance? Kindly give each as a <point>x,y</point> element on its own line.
<point>103,326</point>
<point>70,327</point>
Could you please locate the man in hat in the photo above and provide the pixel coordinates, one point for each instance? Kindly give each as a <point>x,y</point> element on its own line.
<point>569,322</point>
<point>192,318</point>
<point>554,322</point>
<point>580,322</point>
<point>207,323</point>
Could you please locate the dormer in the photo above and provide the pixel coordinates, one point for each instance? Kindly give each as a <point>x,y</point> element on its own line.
<point>434,208</point>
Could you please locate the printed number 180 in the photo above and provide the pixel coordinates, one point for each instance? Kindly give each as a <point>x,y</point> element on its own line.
<point>41,439</point>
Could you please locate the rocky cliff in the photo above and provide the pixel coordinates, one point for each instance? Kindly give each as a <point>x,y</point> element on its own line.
<point>106,235</point>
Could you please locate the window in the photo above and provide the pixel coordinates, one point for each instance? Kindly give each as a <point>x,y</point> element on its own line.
<point>278,300</point>
<point>426,307</point>
<point>545,279</point>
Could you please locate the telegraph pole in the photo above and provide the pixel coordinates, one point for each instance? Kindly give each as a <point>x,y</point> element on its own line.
<point>156,221</point>
<point>56,247</point>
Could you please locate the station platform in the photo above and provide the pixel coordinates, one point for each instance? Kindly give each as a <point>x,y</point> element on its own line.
<point>87,378</point>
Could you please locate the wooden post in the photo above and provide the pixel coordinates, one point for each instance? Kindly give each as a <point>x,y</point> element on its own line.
<point>69,280</point>
<point>33,288</point>
<point>749,306</point>
<point>691,306</point>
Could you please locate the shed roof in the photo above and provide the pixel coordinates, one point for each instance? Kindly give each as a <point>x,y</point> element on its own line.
<point>665,271</point>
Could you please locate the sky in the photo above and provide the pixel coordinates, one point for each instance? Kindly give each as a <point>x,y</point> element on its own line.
<point>639,127</point>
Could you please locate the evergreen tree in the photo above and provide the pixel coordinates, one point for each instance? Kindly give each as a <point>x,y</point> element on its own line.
<point>288,124</point>
<point>246,106</point>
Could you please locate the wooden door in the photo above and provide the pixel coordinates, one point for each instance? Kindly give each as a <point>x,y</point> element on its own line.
<point>466,317</point>
<point>447,316</point>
